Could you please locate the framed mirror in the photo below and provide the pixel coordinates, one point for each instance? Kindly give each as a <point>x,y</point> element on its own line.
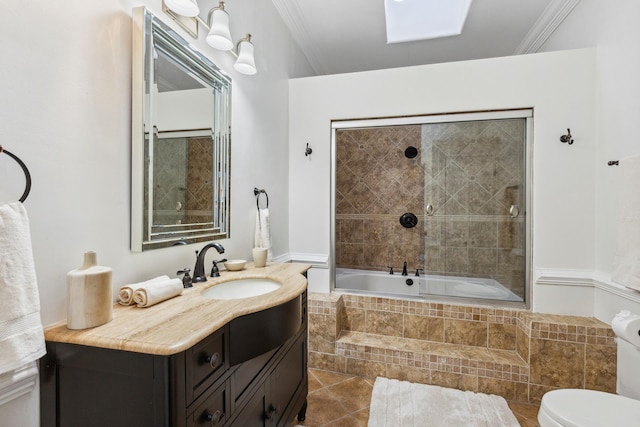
<point>181,105</point>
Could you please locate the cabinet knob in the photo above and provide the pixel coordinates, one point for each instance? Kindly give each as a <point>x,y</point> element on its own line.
<point>214,418</point>
<point>213,360</point>
<point>271,412</point>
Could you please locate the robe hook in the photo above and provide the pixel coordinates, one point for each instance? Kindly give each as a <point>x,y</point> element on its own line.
<point>567,138</point>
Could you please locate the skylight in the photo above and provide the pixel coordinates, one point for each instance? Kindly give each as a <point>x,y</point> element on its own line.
<point>409,20</point>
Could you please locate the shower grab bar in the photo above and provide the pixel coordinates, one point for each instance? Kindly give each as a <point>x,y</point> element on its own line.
<point>24,169</point>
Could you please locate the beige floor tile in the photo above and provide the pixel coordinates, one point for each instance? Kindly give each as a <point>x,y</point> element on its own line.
<point>339,400</point>
<point>327,378</point>
<point>354,394</point>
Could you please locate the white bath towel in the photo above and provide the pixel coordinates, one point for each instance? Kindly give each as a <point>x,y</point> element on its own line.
<point>125,294</point>
<point>403,404</point>
<point>154,293</point>
<point>21,333</point>
<point>262,237</point>
<point>626,262</point>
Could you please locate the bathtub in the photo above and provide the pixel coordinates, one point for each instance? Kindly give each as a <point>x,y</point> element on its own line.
<point>376,282</point>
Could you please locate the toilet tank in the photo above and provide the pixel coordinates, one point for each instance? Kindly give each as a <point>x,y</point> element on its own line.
<point>628,382</point>
<point>627,328</point>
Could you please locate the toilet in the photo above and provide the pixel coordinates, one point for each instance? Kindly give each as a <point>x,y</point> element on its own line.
<point>590,408</point>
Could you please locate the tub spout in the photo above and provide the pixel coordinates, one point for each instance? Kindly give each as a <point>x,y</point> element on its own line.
<point>404,269</point>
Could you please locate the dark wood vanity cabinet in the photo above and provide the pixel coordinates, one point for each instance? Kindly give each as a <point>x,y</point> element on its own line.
<point>91,386</point>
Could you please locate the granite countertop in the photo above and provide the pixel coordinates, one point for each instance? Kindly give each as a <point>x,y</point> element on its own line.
<point>178,324</point>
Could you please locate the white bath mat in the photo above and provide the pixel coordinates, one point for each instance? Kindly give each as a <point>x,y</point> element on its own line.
<point>403,404</point>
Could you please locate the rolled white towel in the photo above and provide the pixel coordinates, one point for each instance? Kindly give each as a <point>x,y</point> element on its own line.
<point>125,294</point>
<point>151,294</point>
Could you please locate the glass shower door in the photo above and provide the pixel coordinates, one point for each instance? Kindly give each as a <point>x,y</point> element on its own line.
<point>474,228</point>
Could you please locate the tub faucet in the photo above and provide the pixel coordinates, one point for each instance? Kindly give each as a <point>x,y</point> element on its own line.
<point>404,269</point>
<point>198,270</point>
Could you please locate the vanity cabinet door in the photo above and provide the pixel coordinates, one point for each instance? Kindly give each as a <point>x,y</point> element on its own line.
<point>253,412</point>
<point>287,379</point>
<point>88,386</point>
<point>247,374</point>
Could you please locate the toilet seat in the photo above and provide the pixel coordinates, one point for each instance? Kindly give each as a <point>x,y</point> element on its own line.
<point>587,408</point>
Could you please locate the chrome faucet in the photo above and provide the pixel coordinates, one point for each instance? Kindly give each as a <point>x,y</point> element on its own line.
<point>198,270</point>
<point>404,269</point>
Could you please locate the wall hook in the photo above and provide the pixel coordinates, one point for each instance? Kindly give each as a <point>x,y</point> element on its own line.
<point>567,138</point>
<point>308,151</point>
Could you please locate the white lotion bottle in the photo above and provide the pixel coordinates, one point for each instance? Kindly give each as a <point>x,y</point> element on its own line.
<point>89,294</point>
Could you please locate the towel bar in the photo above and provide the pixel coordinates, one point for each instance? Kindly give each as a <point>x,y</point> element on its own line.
<point>257,193</point>
<point>24,169</point>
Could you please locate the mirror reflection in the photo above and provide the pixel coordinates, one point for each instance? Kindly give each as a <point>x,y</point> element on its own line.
<point>181,137</point>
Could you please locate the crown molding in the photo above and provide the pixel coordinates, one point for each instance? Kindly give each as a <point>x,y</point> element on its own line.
<point>549,21</point>
<point>290,13</point>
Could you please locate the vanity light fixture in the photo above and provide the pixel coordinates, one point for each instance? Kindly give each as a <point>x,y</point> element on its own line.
<point>188,8</point>
<point>219,36</point>
<point>245,63</point>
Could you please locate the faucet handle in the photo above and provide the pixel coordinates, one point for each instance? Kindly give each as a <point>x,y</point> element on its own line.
<point>390,270</point>
<point>215,272</point>
<point>187,282</point>
<point>418,270</point>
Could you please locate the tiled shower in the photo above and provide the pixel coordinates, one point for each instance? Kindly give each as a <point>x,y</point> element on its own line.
<point>465,183</point>
<point>182,180</point>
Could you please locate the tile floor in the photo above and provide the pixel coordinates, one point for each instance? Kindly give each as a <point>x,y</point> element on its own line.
<point>341,400</point>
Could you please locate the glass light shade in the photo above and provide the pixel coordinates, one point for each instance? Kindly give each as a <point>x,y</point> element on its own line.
<point>188,8</point>
<point>245,63</point>
<point>219,35</point>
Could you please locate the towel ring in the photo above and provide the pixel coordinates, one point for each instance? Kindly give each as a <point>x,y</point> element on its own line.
<point>24,169</point>
<point>257,193</point>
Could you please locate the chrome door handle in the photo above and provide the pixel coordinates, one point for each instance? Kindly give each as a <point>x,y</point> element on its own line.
<point>514,211</point>
<point>429,209</point>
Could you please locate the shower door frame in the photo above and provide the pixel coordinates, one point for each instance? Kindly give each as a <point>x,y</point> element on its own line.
<point>523,113</point>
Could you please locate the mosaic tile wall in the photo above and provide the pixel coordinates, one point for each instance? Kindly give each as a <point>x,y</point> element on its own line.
<point>470,172</point>
<point>513,353</point>
<point>199,195</point>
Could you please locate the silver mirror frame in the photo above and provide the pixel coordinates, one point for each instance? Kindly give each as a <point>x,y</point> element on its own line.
<point>147,30</point>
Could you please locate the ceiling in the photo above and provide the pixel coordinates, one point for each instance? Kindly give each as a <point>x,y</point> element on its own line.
<point>342,36</point>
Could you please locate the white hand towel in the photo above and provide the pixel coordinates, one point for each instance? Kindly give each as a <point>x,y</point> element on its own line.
<point>262,238</point>
<point>626,262</point>
<point>153,293</point>
<point>125,294</point>
<point>21,333</point>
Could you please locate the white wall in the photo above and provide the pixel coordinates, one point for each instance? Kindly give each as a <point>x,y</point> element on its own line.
<point>612,28</point>
<point>185,109</point>
<point>559,86</point>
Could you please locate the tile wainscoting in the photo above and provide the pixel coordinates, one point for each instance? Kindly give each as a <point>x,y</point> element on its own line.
<point>509,352</point>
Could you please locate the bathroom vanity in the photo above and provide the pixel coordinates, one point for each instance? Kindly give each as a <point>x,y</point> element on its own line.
<point>189,361</point>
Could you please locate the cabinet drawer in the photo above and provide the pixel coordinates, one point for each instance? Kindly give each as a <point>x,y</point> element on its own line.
<point>206,362</point>
<point>212,411</point>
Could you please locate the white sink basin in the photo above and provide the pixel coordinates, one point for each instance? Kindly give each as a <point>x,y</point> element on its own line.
<point>242,288</point>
